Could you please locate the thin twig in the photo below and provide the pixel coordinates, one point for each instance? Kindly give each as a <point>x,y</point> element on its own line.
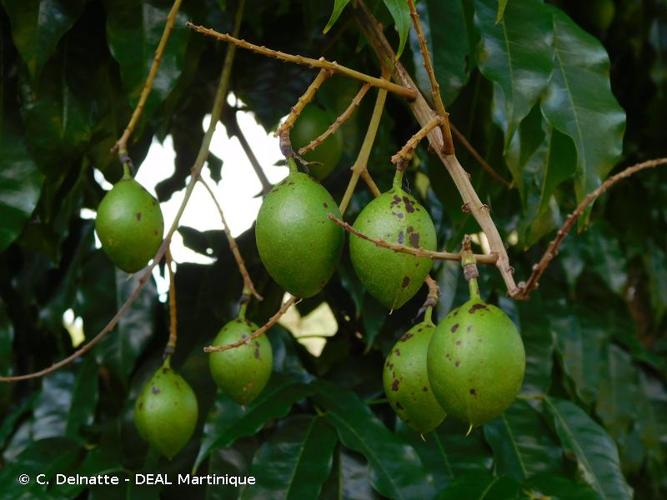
<point>552,250</point>
<point>234,129</point>
<point>418,252</point>
<point>448,146</point>
<point>220,97</point>
<point>345,115</point>
<point>121,144</point>
<point>247,282</point>
<point>372,29</point>
<point>360,164</point>
<point>306,97</point>
<point>405,154</point>
<point>257,333</point>
<point>308,61</point>
<point>173,315</point>
<point>475,154</point>
<point>373,188</point>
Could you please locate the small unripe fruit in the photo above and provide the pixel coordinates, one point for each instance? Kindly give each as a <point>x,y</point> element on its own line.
<point>395,216</point>
<point>129,224</point>
<point>406,381</point>
<point>166,411</point>
<point>476,362</point>
<point>298,244</point>
<point>311,123</point>
<point>241,372</point>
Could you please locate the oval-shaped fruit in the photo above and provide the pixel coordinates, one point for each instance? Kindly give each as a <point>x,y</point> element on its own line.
<point>298,244</point>
<point>166,411</point>
<point>406,381</point>
<point>476,362</point>
<point>129,224</point>
<point>241,372</point>
<point>395,216</point>
<point>311,123</point>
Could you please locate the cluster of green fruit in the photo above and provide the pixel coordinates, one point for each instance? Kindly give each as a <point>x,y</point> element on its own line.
<point>129,224</point>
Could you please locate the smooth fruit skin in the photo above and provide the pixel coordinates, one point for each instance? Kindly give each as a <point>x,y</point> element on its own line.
<point>476,362</point>
<point>392,278</point>
<point>406,381</point>
<point>310,124</point>
<point>166,412</point>
<point>129,224</point>
<point>298,244</point>
<point>241,372</point>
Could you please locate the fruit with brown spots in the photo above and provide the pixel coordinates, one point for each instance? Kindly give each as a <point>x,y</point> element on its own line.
<point>310,124</point>
<point>165,413</point>
<point>406,381</point>
<point>395,216</point>
<point>129,224</point>
<point>476,362</point>
<point>298,244</point>
<point>241,372</point>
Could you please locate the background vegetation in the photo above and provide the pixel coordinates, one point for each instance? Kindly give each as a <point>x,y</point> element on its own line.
<point>555,96</point>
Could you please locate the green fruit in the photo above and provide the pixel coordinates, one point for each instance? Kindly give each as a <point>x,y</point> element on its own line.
<point>406,381</point>
<point>298,244</point>
<point>476,362</point>
<point>241,372</point>
<point>166,411</point>
<point>311,123</point>
<point>129,224</point>
<point>395,216</point>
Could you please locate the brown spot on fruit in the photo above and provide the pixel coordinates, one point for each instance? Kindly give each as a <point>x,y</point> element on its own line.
<point>477,307</point>
<point>468,328</point>
<point>458,342</point>
<point>455,327</point>
<point>398,352</point>
<point>325,205</point>
<point>409,205</point>
<point>425,389</point>
<point>473,392</point>
<point>396,200</point>
<point>138,215</point>
<point>399,406</point>
<point>394,385</point>
<point>414,240</point>
<point>405,337</point>
<point>405,282</point>
<point>401,237</point>
<point>458,362</point>
<point>155,390</point>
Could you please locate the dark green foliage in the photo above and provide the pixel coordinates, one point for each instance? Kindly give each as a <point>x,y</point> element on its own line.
<point>555,96</point>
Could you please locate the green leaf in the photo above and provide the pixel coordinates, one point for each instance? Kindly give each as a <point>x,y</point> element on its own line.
<point>338,7</point>
<point>515,54</point>
<point>396,471</point>
<point>350,478</point>
<point>295,461</point>
<point>539,344</point>
<point>38,26</point>
<point>502,5</point>
<point>446,32</point>
<point>555,487</point>
<point>617,395</point>
<point>655,263</point>
<point>595,451</point>
<point>522,444</point>
<point>400,12</point>
<point>229,421</point>
<point>581,341</point>
<point>482,486</point>
<point>134,30</point>
<point>580,104</point>
<point>20,187</point>
<point>447,453</point>
<point>84,398</point>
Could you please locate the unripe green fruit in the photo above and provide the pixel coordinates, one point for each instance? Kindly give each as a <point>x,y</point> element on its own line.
<point>241,372</point>
<point>129,224</point>
<point>166,411</point>
<point>311,123</point>
<point>476,362</point>
<point>298,244</point>
<point>395,216</point>
<point>406,381</point>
